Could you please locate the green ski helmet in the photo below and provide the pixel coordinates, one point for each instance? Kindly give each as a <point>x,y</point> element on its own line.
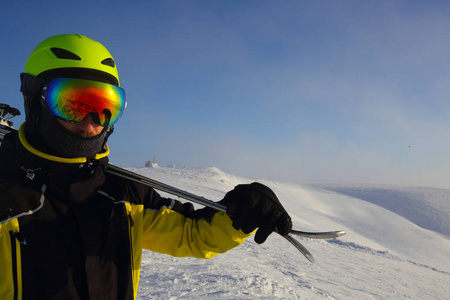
<point>72,51</point>
<point>67,55</point>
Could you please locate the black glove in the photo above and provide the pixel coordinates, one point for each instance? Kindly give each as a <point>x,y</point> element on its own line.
<point>255,205</point>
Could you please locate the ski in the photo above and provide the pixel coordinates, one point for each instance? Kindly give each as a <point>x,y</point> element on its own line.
<point>319,235</point>
<point>209,203</point>
<point>6,126</point>
<point>4,130</point>
<point>6,114</point>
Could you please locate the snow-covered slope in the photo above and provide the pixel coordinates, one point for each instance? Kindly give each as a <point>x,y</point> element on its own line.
<point>397,245</point>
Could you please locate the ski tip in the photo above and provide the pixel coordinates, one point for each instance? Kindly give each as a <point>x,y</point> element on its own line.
<point>340,233</point>
<point>310,258</point>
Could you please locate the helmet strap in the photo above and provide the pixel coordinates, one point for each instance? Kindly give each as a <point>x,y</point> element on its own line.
<point>30,87</point>
<point>109,131</point>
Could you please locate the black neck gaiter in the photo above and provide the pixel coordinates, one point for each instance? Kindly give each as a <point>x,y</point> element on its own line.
<point>58,141</point>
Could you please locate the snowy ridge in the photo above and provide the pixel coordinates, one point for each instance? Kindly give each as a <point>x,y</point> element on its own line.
<point>397,245</point>
<point>427,207</point>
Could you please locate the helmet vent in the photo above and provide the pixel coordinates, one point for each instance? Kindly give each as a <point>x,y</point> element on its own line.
<point>108,62</point>
<point>64,54</point>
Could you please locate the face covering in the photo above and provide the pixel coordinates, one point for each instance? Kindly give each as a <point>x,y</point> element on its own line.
<point>60,142</point>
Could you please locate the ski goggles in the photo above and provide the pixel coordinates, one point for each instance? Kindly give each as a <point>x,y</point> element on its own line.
<point>73,99</point>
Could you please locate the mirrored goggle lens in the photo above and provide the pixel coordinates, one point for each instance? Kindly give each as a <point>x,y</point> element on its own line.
<point>73,99</point>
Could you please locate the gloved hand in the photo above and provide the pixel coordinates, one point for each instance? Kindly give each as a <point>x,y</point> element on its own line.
<point>255,205</point>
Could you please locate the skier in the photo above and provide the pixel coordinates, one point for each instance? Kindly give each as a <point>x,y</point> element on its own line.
<point>69,230</point>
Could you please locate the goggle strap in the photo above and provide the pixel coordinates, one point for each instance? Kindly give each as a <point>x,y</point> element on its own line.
<point>30,85</point>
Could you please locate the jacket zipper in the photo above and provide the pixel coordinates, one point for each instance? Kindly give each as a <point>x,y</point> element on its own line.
<point>12,235</point>
<point>130,233</point>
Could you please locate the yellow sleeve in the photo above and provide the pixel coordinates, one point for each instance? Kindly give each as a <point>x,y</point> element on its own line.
<point>11,274</point>
<point>169,232</point>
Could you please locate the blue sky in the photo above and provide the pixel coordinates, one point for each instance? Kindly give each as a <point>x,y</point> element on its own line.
<point>300,91</point>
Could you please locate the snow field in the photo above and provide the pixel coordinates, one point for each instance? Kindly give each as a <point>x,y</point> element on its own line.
<point>384,255</point>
